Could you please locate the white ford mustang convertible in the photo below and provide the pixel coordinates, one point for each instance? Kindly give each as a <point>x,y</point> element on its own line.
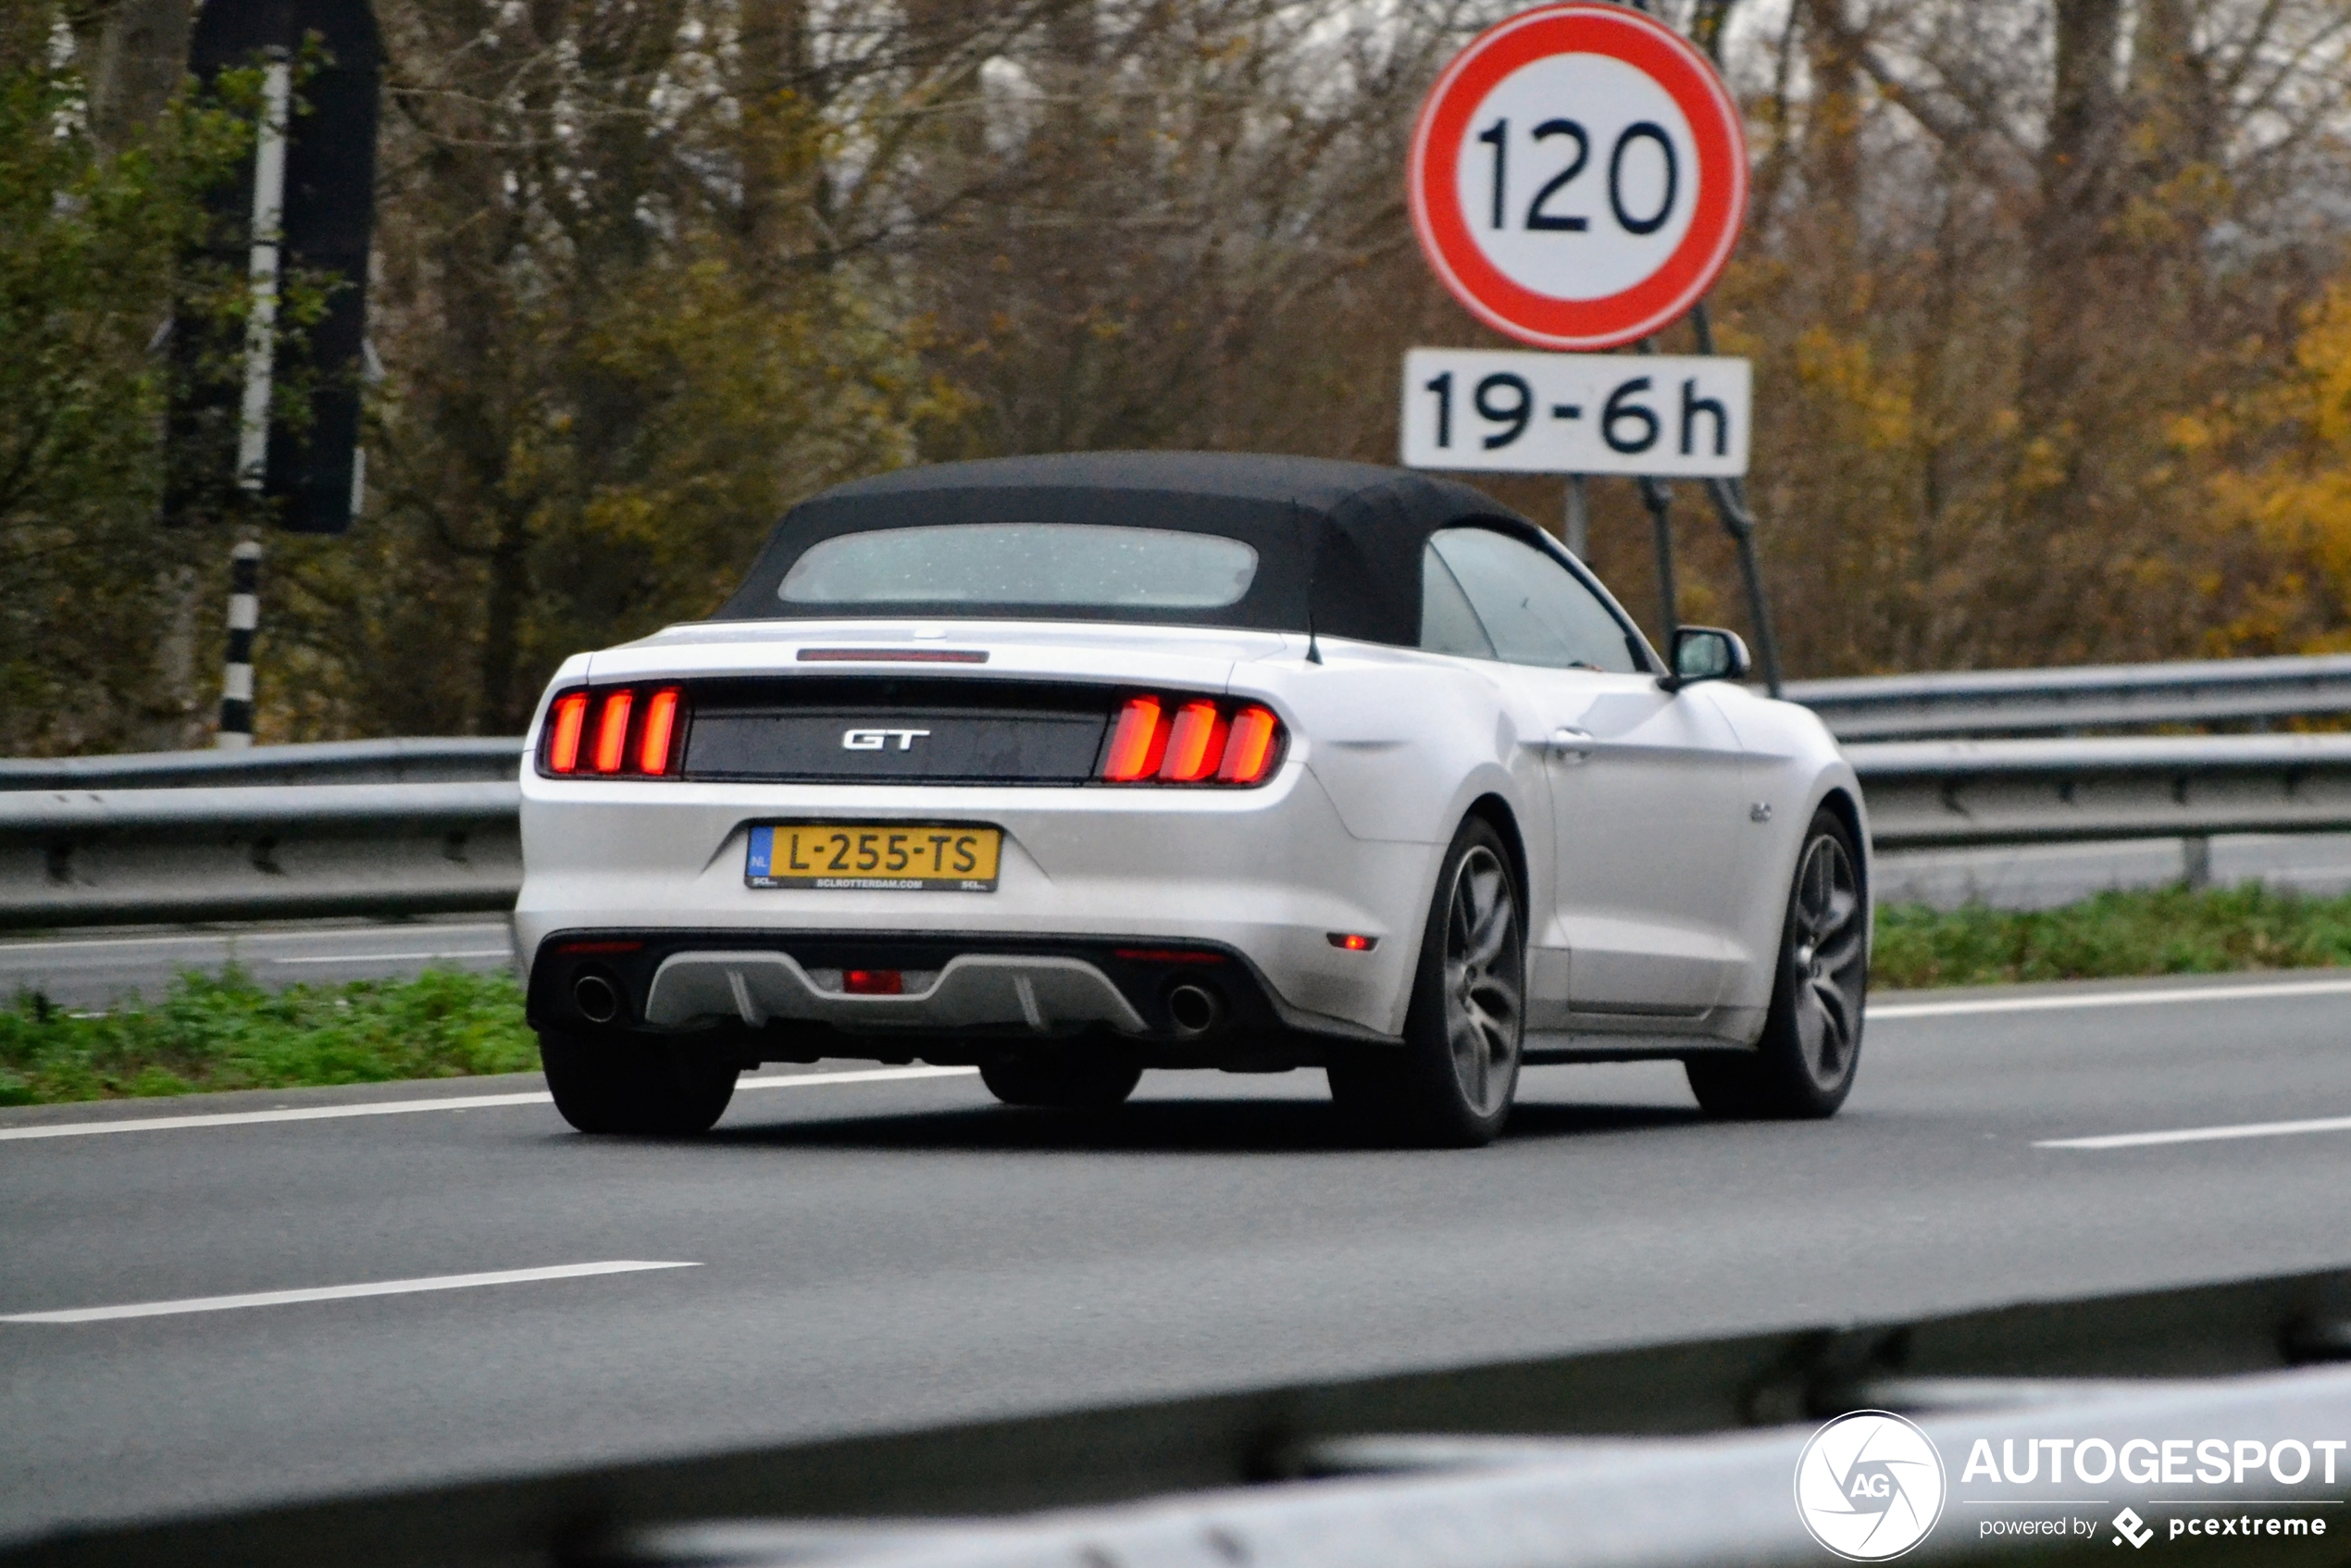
<point>1070,768</point>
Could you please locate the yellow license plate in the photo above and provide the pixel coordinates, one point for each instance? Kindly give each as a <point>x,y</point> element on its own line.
<point>899,856</point>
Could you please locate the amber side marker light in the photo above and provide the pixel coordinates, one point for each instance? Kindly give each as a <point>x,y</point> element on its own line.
<point>1353,941</point>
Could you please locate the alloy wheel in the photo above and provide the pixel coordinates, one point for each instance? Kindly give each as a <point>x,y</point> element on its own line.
<point>1485,966</point>
<point>1828,960</point>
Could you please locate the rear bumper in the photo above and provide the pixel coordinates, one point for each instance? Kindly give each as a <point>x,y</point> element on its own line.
<point>1264,876</point>
<point>781,996</point>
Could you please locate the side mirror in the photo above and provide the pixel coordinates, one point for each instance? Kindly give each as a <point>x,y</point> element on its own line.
<point>1706,652</point>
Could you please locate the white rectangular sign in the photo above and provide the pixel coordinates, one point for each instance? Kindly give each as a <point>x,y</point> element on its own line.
<point>1496,411</point>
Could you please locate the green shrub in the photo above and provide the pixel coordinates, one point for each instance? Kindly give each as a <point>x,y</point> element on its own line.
<point>2157,931</point>
<point>227,1032</point>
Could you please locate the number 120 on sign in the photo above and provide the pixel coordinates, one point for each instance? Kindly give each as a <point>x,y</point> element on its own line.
<point>1674,416</point>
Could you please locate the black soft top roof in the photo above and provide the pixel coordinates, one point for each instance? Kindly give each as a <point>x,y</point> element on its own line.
<point>1338,544</point>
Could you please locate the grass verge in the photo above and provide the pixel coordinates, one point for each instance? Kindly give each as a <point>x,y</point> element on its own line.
<point>2152,931</point>
<point>225,1032</point>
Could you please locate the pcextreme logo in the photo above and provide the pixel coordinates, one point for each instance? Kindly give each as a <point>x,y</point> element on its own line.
<point>1870,1485</point>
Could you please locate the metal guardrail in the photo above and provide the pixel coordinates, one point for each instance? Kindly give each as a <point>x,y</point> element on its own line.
<point>431,760</point>
<point>1926,794</point>
<point>2074,698</point>
<point>1641,1458</point>
<point>80,856</point>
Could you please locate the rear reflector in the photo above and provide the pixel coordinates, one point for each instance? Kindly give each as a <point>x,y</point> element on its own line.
<point>562,740</point>
<point>874,982</point>
<point>661,724</point>
<point>1353,941</point>
<point>611,731</point>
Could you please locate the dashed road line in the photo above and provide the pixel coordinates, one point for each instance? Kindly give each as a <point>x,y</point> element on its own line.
<point>466,1102</point>
<point>2200,1135</point>
<point>2106,999</point>
<point>341,1292</point>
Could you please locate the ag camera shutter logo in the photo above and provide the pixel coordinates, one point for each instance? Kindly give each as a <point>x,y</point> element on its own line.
<point>1870,1485</point>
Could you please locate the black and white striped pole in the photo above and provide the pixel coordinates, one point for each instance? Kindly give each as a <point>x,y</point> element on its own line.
<point>244,615</point>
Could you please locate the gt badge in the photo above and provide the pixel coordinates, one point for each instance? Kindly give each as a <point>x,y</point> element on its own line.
<point>878,739</point>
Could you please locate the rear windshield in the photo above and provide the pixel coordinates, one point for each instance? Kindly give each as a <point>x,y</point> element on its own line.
<point>1024,564</point>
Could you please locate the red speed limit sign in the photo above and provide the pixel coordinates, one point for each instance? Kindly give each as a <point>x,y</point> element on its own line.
<point>1578,176</point>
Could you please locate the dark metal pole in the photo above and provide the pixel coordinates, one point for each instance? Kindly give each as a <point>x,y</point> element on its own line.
<point>1730,506</point>
<point>1660,501</point>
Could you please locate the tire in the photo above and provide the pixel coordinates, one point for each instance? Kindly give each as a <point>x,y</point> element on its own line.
<point>646,1085</point>
<point>1451,1085</point>
<point>1804,1064</point>
<point>1061,1084</point>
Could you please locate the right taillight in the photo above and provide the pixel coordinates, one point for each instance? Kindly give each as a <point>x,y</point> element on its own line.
<point>1154,739</point>
<point>1252,747</point>
<point>1136,739</point>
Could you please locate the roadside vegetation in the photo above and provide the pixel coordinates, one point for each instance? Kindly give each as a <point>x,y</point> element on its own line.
<point>225,1032</point>
<point>2157,931</point>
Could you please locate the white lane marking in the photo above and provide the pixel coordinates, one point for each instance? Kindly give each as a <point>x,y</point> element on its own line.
<point>248,1118</point>
<point>2107,998</point>
<point>469,1102</point>
<point>2200,1135</point>
<point>71,943</point>
<point>387,957</point>
<point>339,1293</point>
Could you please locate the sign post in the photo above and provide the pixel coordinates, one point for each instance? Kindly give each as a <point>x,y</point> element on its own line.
<point>1578,179</point>
<point>309,212</point>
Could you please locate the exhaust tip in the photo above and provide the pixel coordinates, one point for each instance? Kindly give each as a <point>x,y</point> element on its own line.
<point>597,998</point>
<point>1196,1009</point>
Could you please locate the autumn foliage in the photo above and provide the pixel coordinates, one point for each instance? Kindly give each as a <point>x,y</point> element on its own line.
<point>2049,301</point>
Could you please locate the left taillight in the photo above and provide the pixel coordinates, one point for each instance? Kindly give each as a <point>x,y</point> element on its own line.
<point>614,732</point>
<point>1156,739</point>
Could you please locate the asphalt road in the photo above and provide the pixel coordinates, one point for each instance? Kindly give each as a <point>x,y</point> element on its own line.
<point>879,1251</point>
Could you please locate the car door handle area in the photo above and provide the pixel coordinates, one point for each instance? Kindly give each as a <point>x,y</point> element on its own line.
<point>1571,743</point>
